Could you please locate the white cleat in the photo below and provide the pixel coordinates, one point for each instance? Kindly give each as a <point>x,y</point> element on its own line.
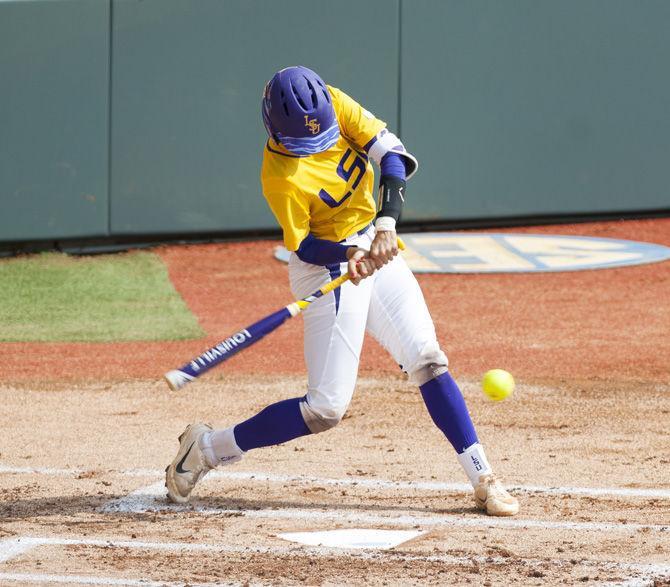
<point>493,498</point>
<point>189,466</point>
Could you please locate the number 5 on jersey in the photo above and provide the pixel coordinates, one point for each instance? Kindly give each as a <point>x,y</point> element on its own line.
<point>357,164</point>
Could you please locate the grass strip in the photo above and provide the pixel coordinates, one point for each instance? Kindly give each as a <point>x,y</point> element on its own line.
<point>54,297</point>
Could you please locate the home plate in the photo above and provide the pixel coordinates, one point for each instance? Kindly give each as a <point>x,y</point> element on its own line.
<point>353,538</point>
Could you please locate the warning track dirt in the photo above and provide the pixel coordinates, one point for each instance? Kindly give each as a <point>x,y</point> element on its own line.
<point>588,324</point>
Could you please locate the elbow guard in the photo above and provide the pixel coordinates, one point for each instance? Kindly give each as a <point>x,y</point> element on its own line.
<point>386,142</point>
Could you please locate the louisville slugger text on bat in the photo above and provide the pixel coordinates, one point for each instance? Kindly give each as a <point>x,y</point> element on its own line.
<point>244,338</point>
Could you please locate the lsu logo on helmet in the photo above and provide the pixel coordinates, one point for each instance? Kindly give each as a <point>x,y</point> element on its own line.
<point>313,125</point>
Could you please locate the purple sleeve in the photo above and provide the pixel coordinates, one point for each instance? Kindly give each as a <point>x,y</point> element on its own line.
<point>321,252</point>
<point>393,165</point>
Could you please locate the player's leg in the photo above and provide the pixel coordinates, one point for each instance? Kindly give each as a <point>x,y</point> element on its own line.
<point>334,331</point>
<point>334,336</point>
<point>334,327</point>
<point>399,319</point>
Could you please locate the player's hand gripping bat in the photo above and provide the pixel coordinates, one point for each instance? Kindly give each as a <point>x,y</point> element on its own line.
<point>244,338</point>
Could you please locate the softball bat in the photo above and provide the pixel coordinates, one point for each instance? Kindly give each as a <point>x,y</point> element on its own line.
<point>244,338</point>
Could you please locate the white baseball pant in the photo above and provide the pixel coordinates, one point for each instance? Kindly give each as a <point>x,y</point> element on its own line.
<point>389,304</point>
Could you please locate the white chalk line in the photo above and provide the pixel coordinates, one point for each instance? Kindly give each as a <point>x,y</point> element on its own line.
<point>365,482</point>
<point>648,582</point>
<point>14,547</point>
<point>86,580</point>
<point>646,569</point>
<point>650,572</point>
<point>152,499</point>
<point>142,500</point>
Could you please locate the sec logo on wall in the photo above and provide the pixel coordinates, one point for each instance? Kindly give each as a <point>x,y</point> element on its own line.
<point>459,252</point>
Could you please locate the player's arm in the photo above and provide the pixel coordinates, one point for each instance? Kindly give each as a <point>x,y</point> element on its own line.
<point>324,252</point>
<point>392,184</point>
<point>318,251</point>
<point>396,166</point>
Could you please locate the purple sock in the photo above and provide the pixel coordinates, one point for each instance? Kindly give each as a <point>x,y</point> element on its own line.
<point>447,408</point>
<point>275,424</point>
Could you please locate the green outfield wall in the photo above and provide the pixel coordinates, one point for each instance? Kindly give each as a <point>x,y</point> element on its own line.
<point>54,119</point>
<point>141,117</point>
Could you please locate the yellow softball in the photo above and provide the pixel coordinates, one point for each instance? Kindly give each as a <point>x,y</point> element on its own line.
<point>497,384</point>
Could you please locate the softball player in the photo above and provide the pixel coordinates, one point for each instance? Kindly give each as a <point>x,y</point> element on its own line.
<point>318,179</point>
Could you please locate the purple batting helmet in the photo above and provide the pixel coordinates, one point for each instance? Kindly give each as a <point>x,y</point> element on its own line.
<point>298,111</point>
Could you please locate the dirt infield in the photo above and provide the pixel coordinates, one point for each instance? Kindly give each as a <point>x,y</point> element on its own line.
<point>89,494</point>
<point>87,430</point>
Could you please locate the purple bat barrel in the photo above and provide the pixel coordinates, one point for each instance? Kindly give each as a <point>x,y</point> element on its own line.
<point>225,349</point>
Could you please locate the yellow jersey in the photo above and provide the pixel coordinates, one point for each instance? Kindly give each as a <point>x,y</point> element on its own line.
<point>327,194</point>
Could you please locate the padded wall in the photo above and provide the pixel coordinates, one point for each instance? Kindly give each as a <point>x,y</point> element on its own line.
<point>536,106</point>
<point>142,117</point>
<point>54,74</point>
<point>187,134</point>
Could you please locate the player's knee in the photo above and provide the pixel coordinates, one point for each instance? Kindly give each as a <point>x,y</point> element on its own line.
<point>321,418</point>
<point>429,363</point>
